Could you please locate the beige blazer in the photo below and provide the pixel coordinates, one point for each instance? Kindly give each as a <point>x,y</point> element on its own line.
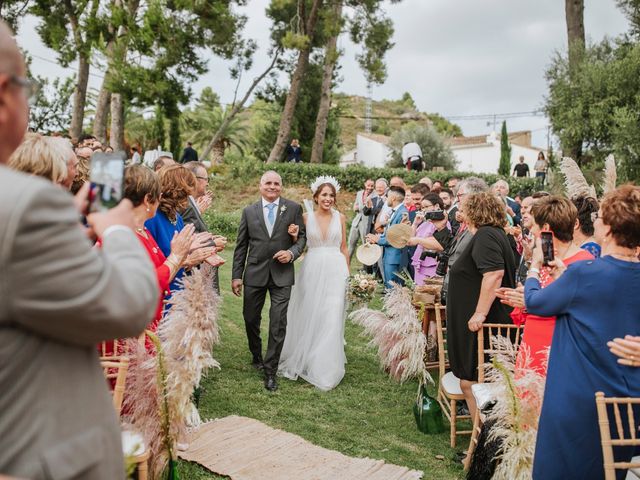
<point>58,299</point>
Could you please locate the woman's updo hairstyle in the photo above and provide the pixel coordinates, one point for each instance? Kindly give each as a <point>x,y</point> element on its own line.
<point>321,187</point>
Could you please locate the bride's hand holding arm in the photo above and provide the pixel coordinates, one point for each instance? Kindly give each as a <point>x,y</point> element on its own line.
<point>343,247</point>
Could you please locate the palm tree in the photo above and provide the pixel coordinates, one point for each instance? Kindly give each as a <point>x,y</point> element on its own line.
<point>202,123</point>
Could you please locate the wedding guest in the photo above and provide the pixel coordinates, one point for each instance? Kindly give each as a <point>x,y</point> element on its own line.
<point>452,184</point>
<point>462,236</point>
<point>427,181</point>
<point>550,214</point>
<point>198,204</point>
<point>136,158</point>
<point>521,170</point>
<point>424,260</point>
<point>375,203</point>
<point>361,223</point>
<point>176,184</point>
<point>189,154</point>
<point>446,195</point>
<point>436,186</point>
<point>412,156</point>
<point>418,192</point>
<point>83,155</point>
<point>583,233</point>
<point>594,302</point>
<point>540,168</point>
<point>142,187</point>
<point>294,152</point>
<point>42,156</point>
<point>501,188</point>
<point>394,260</point>
<point>72,166</point>
<point>56,415</point>
<point>397,182</point>
<point>485,265</point>
<point>627,349</point>
<point>162,161</point>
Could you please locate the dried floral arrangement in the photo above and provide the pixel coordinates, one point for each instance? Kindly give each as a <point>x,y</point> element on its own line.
<point>160,384</point>
<point>577,186</point>
<point>397,334</point>
<point>514,416</point>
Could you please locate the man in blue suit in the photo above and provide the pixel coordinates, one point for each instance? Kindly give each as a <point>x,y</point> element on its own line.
<point>394,260</point>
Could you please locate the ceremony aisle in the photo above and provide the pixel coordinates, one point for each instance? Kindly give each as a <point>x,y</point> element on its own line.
<point>367,415</point>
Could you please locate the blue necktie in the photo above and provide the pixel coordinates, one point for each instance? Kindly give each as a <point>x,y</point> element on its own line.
<point>271,216</point>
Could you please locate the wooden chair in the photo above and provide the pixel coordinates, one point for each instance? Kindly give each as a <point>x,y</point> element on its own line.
<point>428,316</point>
<point>624,438</point>
<point>486,349</point>
<point>115,370</point>
<point>449,391</point>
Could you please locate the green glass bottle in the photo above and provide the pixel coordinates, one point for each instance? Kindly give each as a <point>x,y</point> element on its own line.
<point>428,413</point>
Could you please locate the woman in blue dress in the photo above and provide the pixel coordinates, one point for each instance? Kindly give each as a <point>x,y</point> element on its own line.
<point>594,301</point>
<point>176,184</point>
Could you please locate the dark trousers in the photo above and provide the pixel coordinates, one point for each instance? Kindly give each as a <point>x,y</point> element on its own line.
<point>253,302</point>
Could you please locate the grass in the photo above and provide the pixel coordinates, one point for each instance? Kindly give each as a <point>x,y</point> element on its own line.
<point>367,415</point>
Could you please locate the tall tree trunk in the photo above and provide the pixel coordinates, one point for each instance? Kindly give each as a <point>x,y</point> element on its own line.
<point>330,60</point>
<point>116,139</point>
<point>574,16</point>
<point>217,152</point>
<point>79,96</point>
<point>286,119</point>
<point>237,107</point>
<point>102,114</point>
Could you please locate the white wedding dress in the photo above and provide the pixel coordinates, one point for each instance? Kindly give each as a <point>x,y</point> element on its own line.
<point>314,344</point>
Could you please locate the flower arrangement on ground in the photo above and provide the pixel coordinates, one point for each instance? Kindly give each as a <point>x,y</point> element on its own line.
<point>361,288</point>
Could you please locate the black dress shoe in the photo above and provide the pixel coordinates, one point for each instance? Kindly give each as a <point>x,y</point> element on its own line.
<point>258,365</point>
<point>270,383</point>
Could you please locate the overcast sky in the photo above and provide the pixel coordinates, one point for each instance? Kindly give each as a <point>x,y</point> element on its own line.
<point>455,57</point>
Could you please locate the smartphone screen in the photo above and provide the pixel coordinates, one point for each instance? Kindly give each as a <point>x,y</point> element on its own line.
<point>107,178</point>
<point>546,238</point>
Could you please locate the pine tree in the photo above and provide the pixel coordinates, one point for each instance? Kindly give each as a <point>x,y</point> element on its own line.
<point>505,152</point>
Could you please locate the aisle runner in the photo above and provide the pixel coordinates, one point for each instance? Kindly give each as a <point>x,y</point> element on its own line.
<point>246,449</point>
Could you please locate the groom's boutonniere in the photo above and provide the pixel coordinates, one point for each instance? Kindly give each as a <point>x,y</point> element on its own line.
<point>283,209</point>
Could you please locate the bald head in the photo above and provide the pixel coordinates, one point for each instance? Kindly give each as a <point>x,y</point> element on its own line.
<point>271,186</point>
<point>11,61</point>
<point>14,110</point>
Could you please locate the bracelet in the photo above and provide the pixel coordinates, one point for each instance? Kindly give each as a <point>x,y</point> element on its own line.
<point>534,270</point>
<point>173,258</point>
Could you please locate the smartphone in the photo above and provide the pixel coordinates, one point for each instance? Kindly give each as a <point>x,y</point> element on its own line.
<point>546,238</point>
<point>107,180</point>
<point>436,215</point>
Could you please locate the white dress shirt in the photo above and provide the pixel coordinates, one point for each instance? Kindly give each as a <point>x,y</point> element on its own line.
<point>265,213</point>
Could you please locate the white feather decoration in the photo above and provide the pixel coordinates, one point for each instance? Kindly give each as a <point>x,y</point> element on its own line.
<point>575,183</point>
<point>610,175</point>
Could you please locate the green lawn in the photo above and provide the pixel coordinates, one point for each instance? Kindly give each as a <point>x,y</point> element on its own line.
<point>367,415</point>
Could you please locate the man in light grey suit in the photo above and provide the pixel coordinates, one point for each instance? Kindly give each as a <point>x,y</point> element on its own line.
<point>361,223</point>
<point>58,299</point>
<point>263,262</point>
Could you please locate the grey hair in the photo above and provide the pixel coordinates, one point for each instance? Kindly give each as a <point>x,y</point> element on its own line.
<point>383,180</point>
<point>501,182</point>
<point>269,172</point>
<point>473,185</point>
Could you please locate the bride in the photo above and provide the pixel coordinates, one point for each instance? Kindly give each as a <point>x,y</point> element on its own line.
<point>314,343</point>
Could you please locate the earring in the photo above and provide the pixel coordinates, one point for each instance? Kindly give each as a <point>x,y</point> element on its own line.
<point>148,209</point>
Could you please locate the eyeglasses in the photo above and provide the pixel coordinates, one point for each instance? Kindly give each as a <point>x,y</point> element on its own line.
<point>28,85</point>
<point>594,217</point>
<point>206,179</point>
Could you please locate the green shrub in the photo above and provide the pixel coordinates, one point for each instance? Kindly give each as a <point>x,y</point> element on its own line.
<point>225,224</point>
<point>353,177</point>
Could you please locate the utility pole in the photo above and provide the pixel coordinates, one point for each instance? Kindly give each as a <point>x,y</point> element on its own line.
<point>368,108</point>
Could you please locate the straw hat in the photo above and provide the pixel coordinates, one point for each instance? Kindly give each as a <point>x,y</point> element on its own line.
<point>369,253</point>
<point>398,235</point>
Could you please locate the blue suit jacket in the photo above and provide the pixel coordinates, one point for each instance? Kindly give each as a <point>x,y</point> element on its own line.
<point>392,255</point>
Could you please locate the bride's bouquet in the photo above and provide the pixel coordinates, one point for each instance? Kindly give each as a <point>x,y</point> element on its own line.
<point>361,288</point>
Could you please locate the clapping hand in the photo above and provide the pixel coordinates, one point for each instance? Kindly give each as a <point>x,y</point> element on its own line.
<point>371,238</point>
<point>514,297</point>
<point>200,240</point>
<point>181,243</point>
<point>198,256</point>
<point>627,348</point>
<point>220,242</point>
<point>204,202</point>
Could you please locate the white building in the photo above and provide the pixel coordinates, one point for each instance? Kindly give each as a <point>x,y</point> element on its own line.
<point>481,154</point>
<point>372,150</point>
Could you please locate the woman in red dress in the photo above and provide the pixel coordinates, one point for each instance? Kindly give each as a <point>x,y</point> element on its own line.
<point>142,187</point>
<point>557,215</point>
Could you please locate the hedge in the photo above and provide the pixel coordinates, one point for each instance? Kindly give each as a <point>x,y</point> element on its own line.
<point>225,224</point>
<point>352,178</point>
